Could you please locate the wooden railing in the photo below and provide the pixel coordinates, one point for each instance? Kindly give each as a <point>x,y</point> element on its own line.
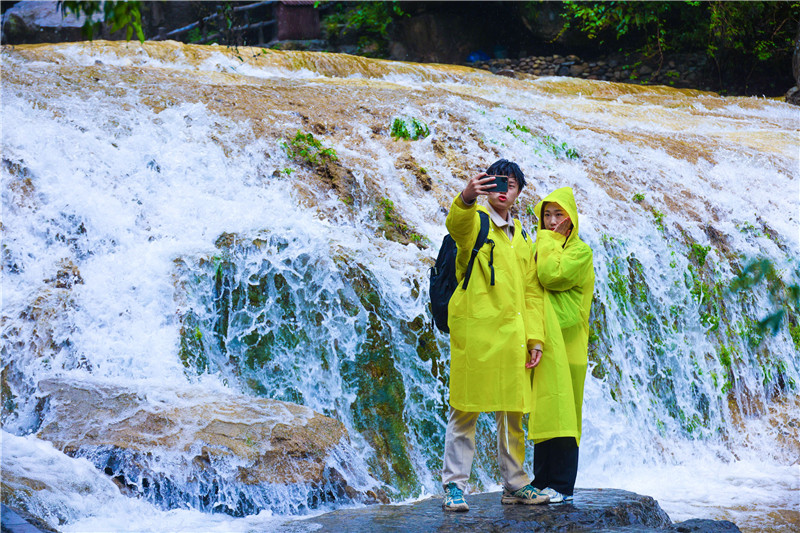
<point>219,22</point>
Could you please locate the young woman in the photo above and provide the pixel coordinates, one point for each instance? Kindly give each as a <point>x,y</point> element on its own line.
<point>566,273</point>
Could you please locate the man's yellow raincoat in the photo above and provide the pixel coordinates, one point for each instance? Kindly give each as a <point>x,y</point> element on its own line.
<point>566,273</point>
<point>492,327</point>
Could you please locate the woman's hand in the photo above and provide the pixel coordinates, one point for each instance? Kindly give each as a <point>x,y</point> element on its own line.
<point>479,185</point>
<point>535,357</point>
<point>564,227</point>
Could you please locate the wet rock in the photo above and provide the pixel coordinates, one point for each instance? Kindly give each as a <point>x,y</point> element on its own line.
<point>793,96</point>
<point>704,526</point>
<point>408,162</point>
<point>39,22</point>
<point>220,444</point>
<point>40,484</point>
<point>796,58</point>
<point>577,70</point>
<point>397,51</point>
<point>67,276</point>
<point>18,521</point>
<point>592,510</point>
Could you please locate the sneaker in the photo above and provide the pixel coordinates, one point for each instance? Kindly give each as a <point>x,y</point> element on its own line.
<point>528,495</point>
<point>454,499</point>
<point>556,497</point>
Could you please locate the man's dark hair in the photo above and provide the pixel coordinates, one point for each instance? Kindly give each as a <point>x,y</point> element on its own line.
<point>504,167</point>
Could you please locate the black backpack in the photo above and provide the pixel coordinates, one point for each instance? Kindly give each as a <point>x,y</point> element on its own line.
<point>443,273</point>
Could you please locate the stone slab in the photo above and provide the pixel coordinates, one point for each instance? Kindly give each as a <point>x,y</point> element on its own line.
<point>12,522</point>
<point>596,510</point>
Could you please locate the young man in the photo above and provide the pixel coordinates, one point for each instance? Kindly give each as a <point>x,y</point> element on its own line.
<point>565,271</point>
<point>495,328</point>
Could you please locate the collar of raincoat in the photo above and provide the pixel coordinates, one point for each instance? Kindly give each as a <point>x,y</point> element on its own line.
<point>506,225</point>
<point>566,199</point>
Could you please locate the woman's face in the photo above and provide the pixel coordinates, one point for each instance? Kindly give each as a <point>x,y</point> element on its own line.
<point>553,215</point>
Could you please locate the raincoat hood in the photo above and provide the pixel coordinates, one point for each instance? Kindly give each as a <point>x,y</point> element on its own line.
<point>566,199</point>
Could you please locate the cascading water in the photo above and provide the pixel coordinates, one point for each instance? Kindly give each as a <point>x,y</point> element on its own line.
<point>164,229</point>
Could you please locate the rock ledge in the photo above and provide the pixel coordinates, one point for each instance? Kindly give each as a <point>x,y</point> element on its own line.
<point>592,510</point>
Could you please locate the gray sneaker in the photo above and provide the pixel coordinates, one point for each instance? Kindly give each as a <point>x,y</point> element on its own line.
<point>527,495</point>
<point>454,499</point>
<point>556,497</point>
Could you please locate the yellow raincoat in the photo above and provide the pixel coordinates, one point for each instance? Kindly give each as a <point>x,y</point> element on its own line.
<point>492,327</point>
<point>566,273</point>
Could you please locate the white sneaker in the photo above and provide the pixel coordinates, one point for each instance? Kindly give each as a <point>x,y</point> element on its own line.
<point>555,496</point>
<point>454,499</point>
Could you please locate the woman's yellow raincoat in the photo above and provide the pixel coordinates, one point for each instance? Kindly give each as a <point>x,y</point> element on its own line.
<point>492,327</point>
<point>566,273</point>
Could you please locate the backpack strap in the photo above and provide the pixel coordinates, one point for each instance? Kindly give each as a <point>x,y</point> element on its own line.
<point>479,242</point>
<point>491,259</point>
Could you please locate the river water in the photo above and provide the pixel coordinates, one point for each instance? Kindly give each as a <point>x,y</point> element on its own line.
<point>129,169</point>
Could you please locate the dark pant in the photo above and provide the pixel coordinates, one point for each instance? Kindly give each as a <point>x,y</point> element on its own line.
<point>555,464</point>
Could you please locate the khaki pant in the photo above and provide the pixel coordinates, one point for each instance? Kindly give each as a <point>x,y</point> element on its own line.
<point>459,448</point>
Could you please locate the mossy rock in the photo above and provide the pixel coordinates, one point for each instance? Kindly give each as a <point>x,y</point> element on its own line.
<point>407,162</point>
<point>395,228</point>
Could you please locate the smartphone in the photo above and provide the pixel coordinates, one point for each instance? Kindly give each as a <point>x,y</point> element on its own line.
<point>501,184</point>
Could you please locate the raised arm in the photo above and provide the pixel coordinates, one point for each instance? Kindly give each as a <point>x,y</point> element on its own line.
<point>461,220</point>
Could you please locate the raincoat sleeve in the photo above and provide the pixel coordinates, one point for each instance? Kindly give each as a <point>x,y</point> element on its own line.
<point>534,307</point>
<point>461,223</point>
<point>560,268</point>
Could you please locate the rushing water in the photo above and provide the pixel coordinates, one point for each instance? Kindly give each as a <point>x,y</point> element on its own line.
<point>157,234</point>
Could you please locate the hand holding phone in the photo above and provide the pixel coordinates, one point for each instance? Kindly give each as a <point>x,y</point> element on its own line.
<point>500,182</point>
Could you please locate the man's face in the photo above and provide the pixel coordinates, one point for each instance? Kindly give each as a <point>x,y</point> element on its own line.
<point>502,201</point>
<point>553,215</point>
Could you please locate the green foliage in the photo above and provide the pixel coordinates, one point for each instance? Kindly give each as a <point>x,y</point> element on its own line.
<point>418,129</point>
<point>192,346</point>
<point>785,298</point>
<point>794,331</point>
<point>118,14</point>
<point>388,209</point>
<point>304,147</point>
<point>400,130</point>
<point>658,217</point>
<point>194,35</point>
<point>548,142</point>
<point>602,20</point>
<point>736,35</point>
<point>698,253</point>
<point>759,30</point>
<point>369,21</point>
<point>638,197</point>
<point>704,289</point>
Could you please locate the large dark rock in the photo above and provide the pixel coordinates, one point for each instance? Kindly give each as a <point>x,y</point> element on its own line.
<point>592,510</point>
<point>796,57</point>
<point>793,94</point>
<point>39,22</point>
<point>698,525</point>
<point>227,452</point>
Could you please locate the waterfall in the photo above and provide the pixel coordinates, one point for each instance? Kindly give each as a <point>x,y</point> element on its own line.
<point>242,220</point>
